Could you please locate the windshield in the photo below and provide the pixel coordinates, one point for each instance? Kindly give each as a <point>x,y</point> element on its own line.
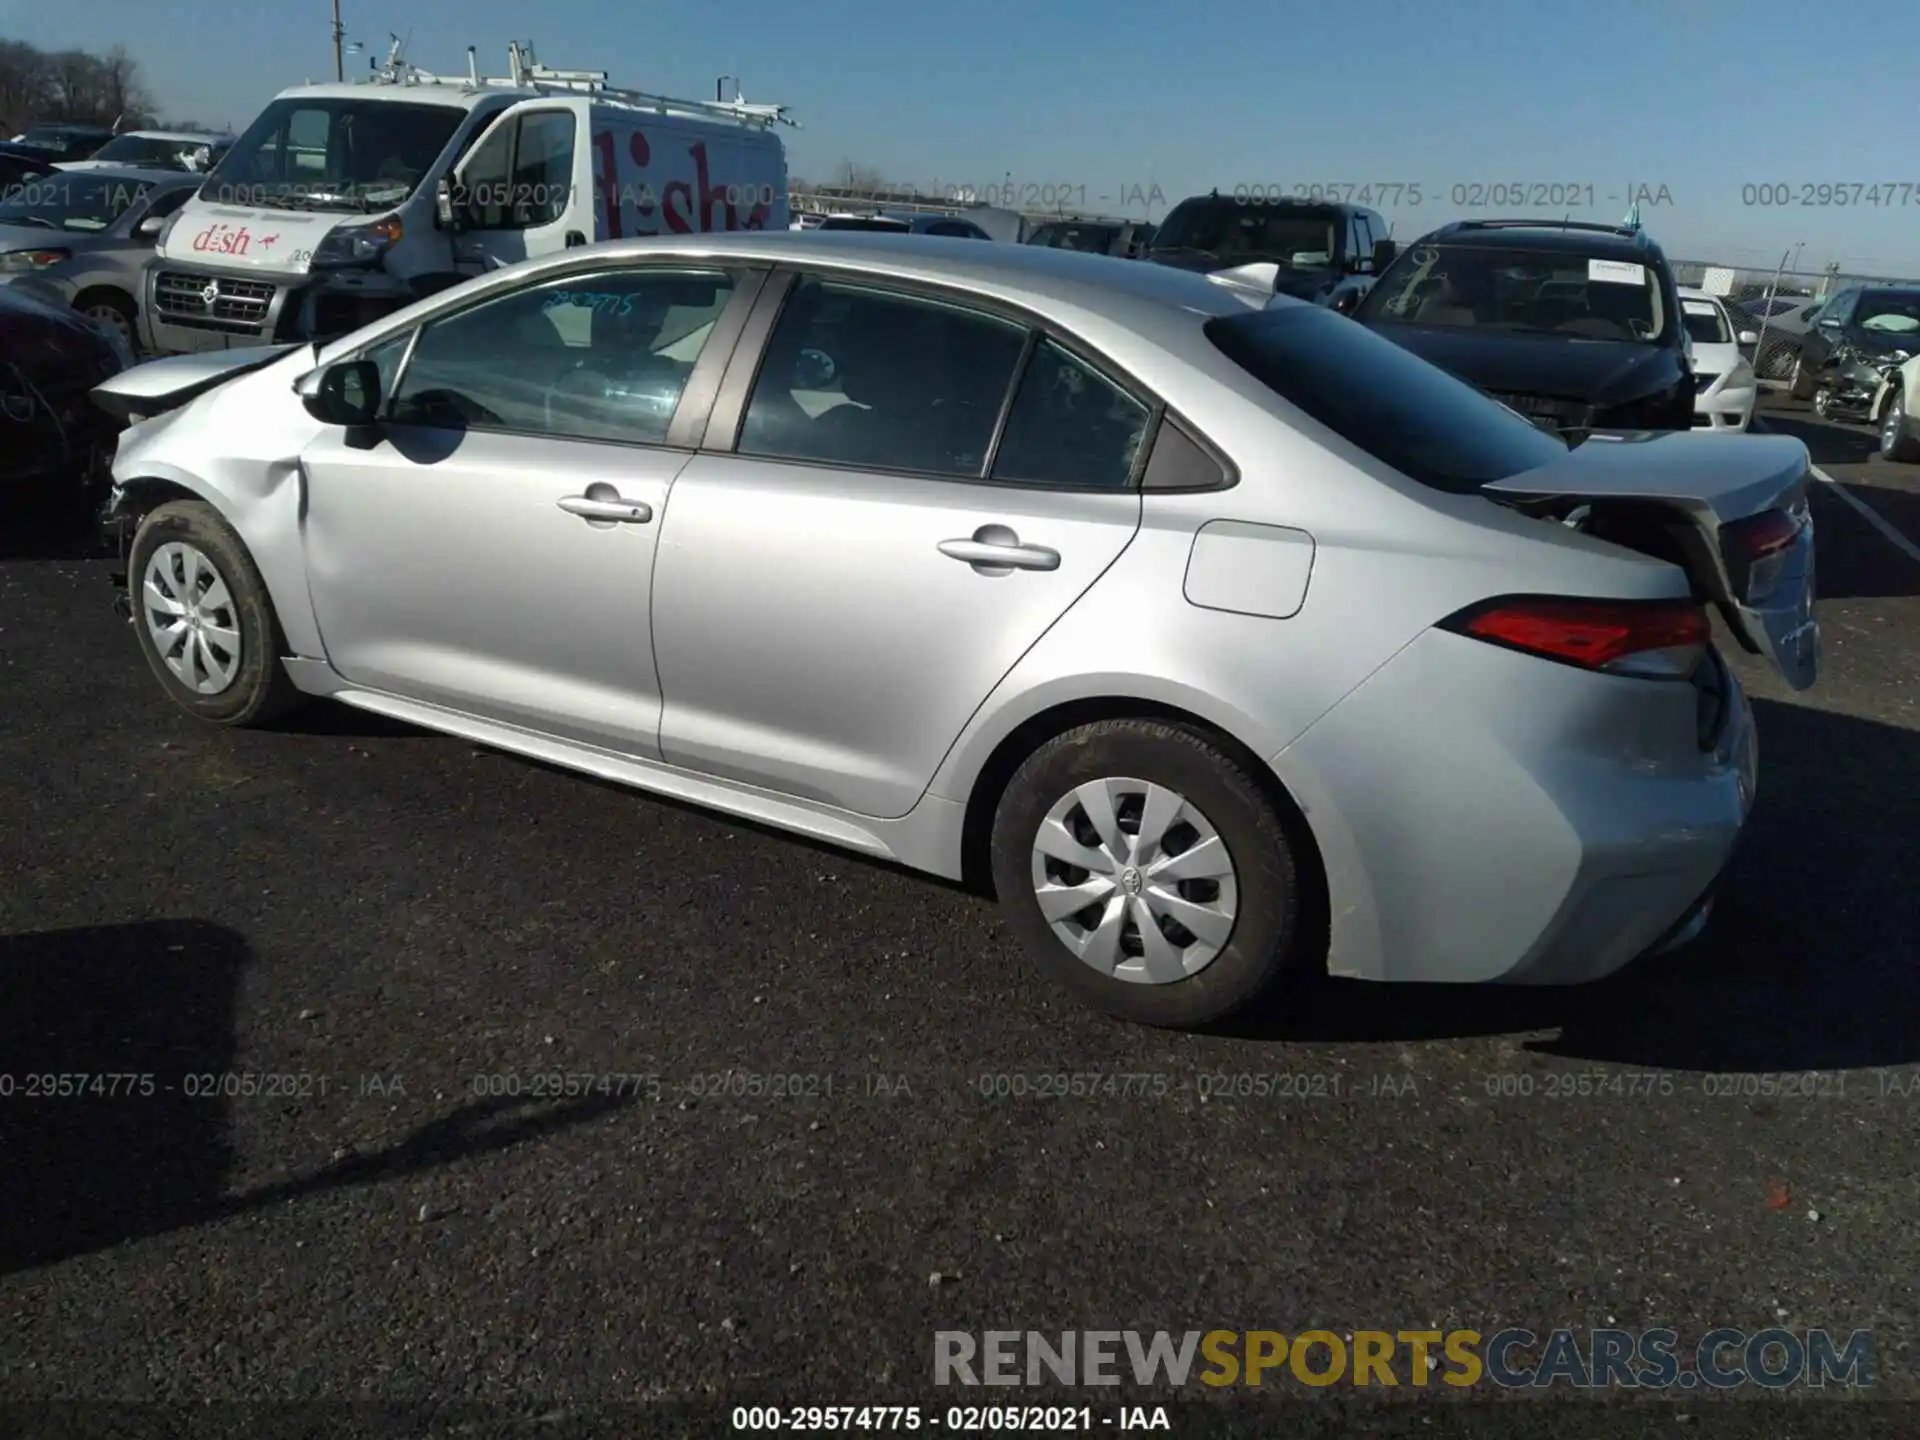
<point>1093,239</point>
<point>346,153</point>
<point>1296,235</point>
<point>1892,312</point>
<point>1705,324</point>
<point>149,152</point>
<point>1414,416</point>
<point>70,200</point>
<point>1537,292</point>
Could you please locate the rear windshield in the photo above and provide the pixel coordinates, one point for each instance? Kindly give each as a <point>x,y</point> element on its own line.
<point>1705,324</point>
<point>1301,237</point>
<point>863,222</point>
<point>1413,416</point>
<point>1095,239</point>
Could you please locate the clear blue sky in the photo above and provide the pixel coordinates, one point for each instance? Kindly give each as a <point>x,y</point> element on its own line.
<point>1125,98</point>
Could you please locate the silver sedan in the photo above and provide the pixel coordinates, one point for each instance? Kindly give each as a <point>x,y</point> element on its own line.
<point>83,238</point>
<point>1224,644</point>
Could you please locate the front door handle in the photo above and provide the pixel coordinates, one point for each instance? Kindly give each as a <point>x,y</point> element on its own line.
<point>995,549</point>
<point>607,508</point>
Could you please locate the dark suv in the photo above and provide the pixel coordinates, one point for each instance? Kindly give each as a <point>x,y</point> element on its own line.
<point>1578,327</point>
<point>1856,337</point>
<point>1319,251</point>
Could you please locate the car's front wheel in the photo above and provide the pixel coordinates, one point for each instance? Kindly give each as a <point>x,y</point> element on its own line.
<point>1897,441</point>
<point>1800,381</point>
<point>204,619</point>
<point>1147,870</point>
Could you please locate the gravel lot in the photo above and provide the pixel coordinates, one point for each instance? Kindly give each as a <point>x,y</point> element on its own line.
<point>395,916</point>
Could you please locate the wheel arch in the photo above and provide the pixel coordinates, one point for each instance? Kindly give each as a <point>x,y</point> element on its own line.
<point>990,783</point>
<point>102,290</point>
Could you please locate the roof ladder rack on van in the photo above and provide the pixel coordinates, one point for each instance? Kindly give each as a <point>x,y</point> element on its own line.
<point>526,74</point>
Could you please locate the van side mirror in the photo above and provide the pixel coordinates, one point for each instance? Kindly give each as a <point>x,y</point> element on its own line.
<point>345,393</point>
<point>1383,254</point>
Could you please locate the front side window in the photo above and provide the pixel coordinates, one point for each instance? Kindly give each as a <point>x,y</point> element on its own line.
<point>599,357</point>
<point>333,154</point>
<point>521,175</point>
<point>1388,402</point>
<point>878,380</point>
<point>1070,426</point>
<point>1495,288</point>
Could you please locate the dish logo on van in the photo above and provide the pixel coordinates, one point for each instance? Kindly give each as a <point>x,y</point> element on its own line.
<point>636,203</point>
<point>224,239</point>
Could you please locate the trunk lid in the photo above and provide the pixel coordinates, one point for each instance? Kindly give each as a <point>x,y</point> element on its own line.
<point>161,385</point>
<point>1731,509</point>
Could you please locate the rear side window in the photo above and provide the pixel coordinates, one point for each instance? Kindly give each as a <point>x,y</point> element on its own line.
<point>1070,426</point>
<point>1387,401</point>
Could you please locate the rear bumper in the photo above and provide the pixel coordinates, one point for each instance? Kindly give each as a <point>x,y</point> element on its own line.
<point>1530,828</point>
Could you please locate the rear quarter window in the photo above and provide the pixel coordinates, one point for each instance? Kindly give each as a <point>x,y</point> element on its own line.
<point>1428,425</point>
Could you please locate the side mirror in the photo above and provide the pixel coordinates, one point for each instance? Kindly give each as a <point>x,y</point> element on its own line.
<point>150,228</point>
<point>1747,337</point>
<point>346,393</point>
<point>1384,252</point>
<point>1346,302</point>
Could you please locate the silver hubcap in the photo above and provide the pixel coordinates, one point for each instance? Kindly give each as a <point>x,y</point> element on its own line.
<point>190,616</point>
<point>110,315</point>
<point>1890,427</point>
<point>1135,881</point>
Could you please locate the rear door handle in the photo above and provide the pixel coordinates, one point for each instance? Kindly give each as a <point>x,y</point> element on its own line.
<point>596,507</point>
<point>995,548</point>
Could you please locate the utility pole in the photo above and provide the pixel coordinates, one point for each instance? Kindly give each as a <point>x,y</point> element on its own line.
<point>339,33</point>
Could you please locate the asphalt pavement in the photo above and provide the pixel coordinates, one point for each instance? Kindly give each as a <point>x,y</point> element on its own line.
<point>795,1124</point>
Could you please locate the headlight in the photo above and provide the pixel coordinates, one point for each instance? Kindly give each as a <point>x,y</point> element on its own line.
<point>351,246</point>
<point>13,262</point>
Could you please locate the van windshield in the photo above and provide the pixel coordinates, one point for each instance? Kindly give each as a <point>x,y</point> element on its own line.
<point>343,153</point>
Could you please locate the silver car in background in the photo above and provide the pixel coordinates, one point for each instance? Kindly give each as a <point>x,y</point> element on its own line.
<point>187,150</point>
<point>83,237</point>
<point>1225,644</point>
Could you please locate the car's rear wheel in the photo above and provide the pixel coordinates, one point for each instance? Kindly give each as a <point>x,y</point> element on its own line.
<point>204,619</point>
<point>113,310</point>
<point>1897,441</point>
<point>1147,871</point>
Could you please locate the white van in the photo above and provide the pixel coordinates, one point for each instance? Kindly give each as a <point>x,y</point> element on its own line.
<point>343,202</point>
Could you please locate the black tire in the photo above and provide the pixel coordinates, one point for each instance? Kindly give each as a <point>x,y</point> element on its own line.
<point>1801,386</point>
<point>261,691</point>
<point>1897,440</point>
<point>1263,948</point>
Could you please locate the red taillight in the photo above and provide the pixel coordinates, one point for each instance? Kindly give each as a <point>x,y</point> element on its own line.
<point>1656,639</point>
<point>1764,535</point>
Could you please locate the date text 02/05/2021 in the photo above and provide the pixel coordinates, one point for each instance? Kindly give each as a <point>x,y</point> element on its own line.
<point>956,1419</point>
